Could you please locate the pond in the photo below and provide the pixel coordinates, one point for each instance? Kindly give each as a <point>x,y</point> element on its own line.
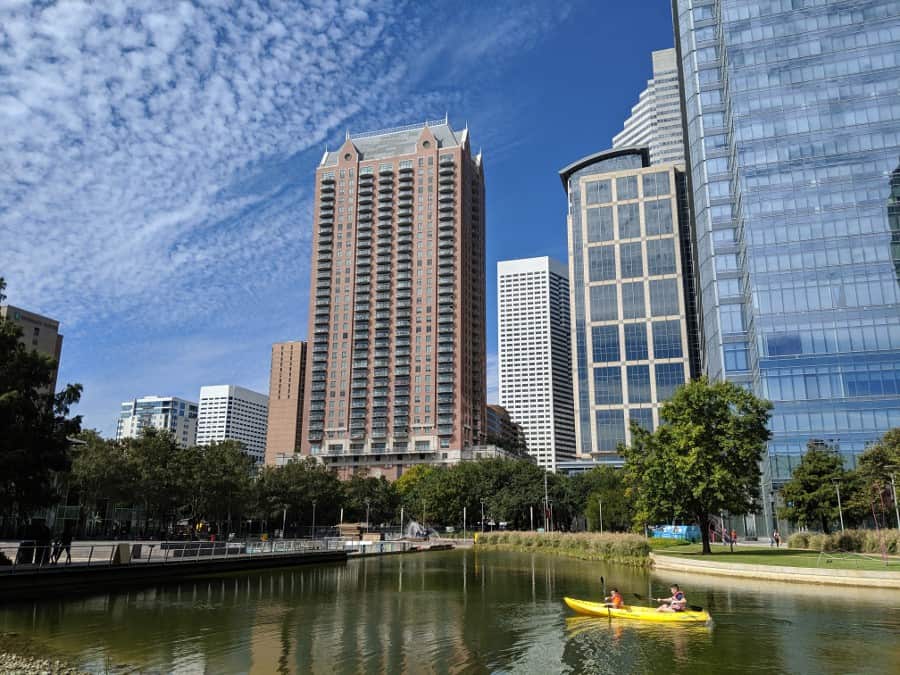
<point>461,611</point>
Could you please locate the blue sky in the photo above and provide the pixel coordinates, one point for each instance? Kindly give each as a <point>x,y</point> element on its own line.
<point>156,171</point>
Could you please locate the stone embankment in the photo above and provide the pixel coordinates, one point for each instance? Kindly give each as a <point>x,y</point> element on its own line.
<point>13,664</point>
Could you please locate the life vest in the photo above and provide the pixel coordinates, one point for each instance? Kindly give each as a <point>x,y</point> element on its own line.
<point>617,600</point>
<point>680,601</point>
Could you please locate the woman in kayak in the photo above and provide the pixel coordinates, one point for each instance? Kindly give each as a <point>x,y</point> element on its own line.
<point>614,599</point>
<point>676,603</point>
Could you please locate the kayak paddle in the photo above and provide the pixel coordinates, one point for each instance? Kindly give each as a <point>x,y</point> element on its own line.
<point>693,608</point>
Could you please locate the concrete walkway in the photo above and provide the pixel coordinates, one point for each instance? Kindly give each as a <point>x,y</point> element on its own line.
<point>807,575</point>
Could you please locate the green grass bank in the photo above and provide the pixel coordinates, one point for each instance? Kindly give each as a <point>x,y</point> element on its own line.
<point>859,541</point>
<point>627,549</point>
<point>784,557</point>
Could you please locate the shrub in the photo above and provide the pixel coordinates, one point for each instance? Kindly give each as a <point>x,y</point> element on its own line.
<point>625,548</point>
<point>666,542</point>
<point>798,540</point>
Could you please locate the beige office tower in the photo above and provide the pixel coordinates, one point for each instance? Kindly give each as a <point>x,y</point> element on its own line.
<point>39,333</point>
<point>397,308</point>
<point>287,382</point>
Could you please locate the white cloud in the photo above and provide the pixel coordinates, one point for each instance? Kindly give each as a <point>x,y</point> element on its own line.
<point>156,163</point>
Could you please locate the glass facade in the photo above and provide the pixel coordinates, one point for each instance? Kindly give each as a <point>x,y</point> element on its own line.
<point>628,293</point>
<point>792,111</point>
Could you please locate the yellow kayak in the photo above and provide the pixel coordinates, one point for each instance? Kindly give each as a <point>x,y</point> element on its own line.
<point>634,612</point>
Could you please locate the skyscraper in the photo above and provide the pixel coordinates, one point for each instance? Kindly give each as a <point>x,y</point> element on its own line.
<point>168,413</point>
<point>655,120</point>
<point>631,284</point>
<point>287,379</point>
<point>231,413</point>
<point>792,114</point>
<point>39,333</point>
<point>535,355</point>
<point>397,314</point>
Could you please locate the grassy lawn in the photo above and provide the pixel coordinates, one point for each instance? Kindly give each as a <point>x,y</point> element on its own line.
<point>754,555</point>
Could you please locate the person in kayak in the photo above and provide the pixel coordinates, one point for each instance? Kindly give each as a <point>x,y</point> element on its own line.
<point>615,599</point>
<point>675,603</point>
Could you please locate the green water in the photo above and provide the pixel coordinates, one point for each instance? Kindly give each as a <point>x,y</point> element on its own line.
<point>461,611</point>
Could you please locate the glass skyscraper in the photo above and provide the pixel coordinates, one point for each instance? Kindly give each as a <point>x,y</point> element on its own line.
<point>792,118</point>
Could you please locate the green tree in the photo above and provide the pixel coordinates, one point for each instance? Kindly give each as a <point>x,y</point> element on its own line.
<point>875,469</point>
<point>34,425</point>
<point>377,494</point>
<point>600,492</point>
<point>219,477</point>
<point>810,496</point>
<point>101,472</point>
<point>703,459</point>
<point>288,493</point>
<point>161,482</point>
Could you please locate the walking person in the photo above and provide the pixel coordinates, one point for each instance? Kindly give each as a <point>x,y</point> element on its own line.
<point>777,537</point>
<point>64,544</point>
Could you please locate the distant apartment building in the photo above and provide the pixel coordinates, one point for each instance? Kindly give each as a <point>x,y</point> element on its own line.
<point>396,373</point>
<point>169,413</point>
<point>39,333</point>
<point>634,328</point>
<point>231,413</point>
<point>502,431</point>
<point>535,357</point>
<point>287,379</point>
<point>655,120</point>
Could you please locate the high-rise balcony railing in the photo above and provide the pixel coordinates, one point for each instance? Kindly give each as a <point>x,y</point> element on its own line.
<point>446,170</point>
<point>386,171</point>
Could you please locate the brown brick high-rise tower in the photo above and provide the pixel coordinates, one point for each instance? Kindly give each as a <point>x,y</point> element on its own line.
<point>287,379</point>
<point>397,309</point>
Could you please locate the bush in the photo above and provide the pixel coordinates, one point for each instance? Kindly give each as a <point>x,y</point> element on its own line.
<point>798,540</point>
<point>666,542</point>
<point>856,541</point>
<point>624,548</point>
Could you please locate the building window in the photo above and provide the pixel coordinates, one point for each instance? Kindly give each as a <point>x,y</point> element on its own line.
<point>664,297</point>
<point>632,260</point>
<point>610,429</point>
<point>658,217</point>
<point>642,417</point>
<point>736,357</point>
<point>635,341</point>
<point>633,300</point>
<point>608,385</point>
<point>656,184</point>
<point>605,341</point>
<point>629,221</point>
<point>639,384</point>
<point>600,224</point>
<point>602,263</point>
<point>598,192</point>
<point>660,256</point>
<point>667,340</point>
<point>669,376</point>
<point>626,187</point>
<point>732,319</point>
<point>604,304</point>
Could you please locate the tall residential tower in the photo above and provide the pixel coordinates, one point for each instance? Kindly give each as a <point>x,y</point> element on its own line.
<point>231,413</point>
<point>396,373</point>
<point>169,413</point>
<point>287,380</point>
<point>535,355</point>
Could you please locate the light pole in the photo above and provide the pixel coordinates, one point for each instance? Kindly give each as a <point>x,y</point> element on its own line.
<point>368,502</point>
<point>482,516</point>
<point>283,520</point>
<point>837,487</point>
<point>314,520</point>
<point>600,501</point>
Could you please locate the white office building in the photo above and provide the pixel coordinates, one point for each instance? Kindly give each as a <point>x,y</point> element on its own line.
<point>535,355</point>
<point>232,413</point>
<point>175,415</point>
<point>655,120</point>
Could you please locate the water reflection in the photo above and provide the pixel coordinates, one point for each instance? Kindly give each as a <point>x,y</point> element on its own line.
<point>459,612</point>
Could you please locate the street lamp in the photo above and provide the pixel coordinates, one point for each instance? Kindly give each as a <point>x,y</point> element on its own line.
<point>482,516</point>
<point>314,520</point>
<point>368,503</point>
<point>600,502</point>
<point>837,487</point>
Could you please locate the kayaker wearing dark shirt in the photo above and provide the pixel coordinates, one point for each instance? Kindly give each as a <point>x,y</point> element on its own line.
<point>676,603</point>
